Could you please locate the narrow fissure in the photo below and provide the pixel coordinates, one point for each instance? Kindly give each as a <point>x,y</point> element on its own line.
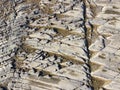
<point>87,41</point>
<point>91,34</point>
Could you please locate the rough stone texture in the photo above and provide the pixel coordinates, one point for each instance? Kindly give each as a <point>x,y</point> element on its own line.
<point>59,45</point>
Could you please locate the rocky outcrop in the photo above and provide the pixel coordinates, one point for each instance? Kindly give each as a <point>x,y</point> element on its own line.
<point>104,46</point>
<point>59,45</point>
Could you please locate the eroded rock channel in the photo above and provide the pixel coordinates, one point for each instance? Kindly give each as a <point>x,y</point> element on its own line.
<point>59,45</point>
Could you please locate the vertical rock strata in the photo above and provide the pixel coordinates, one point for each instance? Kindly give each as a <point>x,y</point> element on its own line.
<point>59,45</point>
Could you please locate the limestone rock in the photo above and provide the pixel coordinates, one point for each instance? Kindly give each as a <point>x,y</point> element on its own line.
<point>59,44</point>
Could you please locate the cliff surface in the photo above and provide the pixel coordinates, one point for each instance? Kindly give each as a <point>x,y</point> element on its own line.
<point>59,45</point>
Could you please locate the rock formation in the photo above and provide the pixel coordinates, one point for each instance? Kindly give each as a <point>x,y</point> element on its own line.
<point>59,45</point>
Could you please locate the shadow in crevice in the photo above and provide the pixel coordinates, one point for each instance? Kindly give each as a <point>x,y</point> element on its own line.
<point>91,29</point>
<point>86,38</point>
<point>3,88</point>
<point>84,26</point>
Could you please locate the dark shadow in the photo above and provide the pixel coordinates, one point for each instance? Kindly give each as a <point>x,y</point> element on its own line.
<point>3,88</point>
<point>92,27</point>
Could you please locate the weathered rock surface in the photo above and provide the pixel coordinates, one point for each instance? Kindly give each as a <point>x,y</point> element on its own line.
<point>59,45</point>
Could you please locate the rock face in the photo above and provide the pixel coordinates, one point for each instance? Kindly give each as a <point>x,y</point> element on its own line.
<point>59,45</point>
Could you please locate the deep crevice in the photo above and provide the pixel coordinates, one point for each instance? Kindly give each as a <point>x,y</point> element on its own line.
<point>87,41</point>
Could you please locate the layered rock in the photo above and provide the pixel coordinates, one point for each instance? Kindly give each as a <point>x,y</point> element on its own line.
<point>59,45</point>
